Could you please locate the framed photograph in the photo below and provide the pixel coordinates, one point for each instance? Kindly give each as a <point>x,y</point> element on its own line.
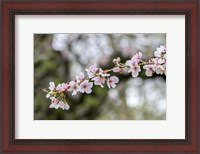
<point>118,76</point>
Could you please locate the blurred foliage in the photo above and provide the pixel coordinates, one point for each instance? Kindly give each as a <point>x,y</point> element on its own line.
<point>59,57</point>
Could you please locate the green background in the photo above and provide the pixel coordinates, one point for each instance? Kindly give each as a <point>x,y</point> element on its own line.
<point>60,57</point>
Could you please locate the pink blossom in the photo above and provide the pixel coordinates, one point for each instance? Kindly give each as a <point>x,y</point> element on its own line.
<point>159,65</point>
<point>159,69</point>
<point>135,70</point>
<point>59,104</point>
<point>80,77</point>
<point>117,69</point>
<point>54,103</point>
<point>134,60</point>
<point>86,86</point>
<point>74,87</point>
<point>53,100</point>
<point>64,86</point>
<point>99,81</point>
<point>111,82</point>
<point>92,70</point>
<point>63,105</point>
<point>51,86</point>
<point>159,51</point>
<point>158,61</point>
<point>149,69</point>
<point>137,57</point>
<point>117,60</point>
<point>61,87</point>
<point>133,64</point>
<point>161,61</point>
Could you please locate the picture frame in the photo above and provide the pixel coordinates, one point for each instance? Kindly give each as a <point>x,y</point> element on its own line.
<point>190,9</point>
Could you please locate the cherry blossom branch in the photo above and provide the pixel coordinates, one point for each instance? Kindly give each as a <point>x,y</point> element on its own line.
<point>97,76</point>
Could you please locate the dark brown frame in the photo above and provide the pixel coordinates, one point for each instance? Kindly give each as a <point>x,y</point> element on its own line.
<point>9,9</point>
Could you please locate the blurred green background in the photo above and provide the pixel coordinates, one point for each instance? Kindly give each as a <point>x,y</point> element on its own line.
<point>60,57</point>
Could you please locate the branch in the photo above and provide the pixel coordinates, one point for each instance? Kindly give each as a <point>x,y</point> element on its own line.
<point>97,76</point>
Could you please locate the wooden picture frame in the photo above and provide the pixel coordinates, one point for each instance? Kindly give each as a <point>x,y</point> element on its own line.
<point>190,9</point>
